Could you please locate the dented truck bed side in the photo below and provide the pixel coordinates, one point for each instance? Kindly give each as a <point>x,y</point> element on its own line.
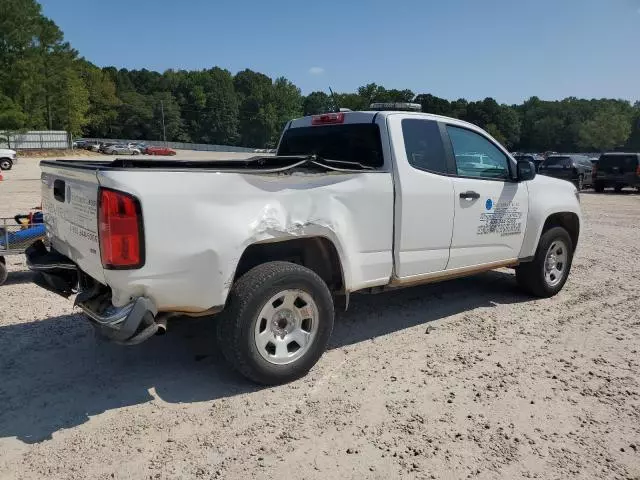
<point>200,225</point>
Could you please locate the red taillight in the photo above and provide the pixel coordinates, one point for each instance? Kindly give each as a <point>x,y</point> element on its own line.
<point>638,170</point>
<point>594,171</point>
<point>327,118</point>
<point>120,230</point>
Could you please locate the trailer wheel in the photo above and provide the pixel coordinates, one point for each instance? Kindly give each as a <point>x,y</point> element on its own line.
<point>277,322</point>
<point>4,273</point>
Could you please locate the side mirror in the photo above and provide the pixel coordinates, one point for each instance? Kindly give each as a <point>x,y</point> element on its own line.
<point>526,170</point>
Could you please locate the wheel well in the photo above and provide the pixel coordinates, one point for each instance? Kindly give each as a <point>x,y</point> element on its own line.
<point>567,220</point>
<point>3,261</point>
<point>318,254</point>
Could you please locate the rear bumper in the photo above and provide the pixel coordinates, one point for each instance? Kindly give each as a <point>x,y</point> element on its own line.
<point>615,180</point>
<point>128,325</point>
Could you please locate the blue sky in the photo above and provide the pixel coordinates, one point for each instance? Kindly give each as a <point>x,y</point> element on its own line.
<point>506,49</point>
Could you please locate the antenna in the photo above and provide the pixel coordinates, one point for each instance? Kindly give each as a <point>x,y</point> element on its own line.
<point>336,108</point>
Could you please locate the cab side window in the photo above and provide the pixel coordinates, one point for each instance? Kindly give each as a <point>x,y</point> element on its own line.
<point>423,145</point>
<point>476,156</point>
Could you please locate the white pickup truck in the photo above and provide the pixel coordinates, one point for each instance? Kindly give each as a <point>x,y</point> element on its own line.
<point>353,201</point>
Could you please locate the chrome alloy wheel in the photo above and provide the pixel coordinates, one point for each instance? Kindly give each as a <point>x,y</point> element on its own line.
<point>286,327</point>
<point>555,264</point>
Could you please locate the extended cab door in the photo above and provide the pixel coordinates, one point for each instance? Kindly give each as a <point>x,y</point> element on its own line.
<point>490,207</point>
<point>424,200</point>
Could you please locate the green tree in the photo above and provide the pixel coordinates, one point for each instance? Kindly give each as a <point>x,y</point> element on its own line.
<point>609,128</point>
<point>11,115</point>
<point>434,105</point>
<point>102,111</point>
<point>164,105</point>
<point>70,103</point>
<point>208,103</point>
<point>633,143</point>
<point>135,117</point>
<point>258,115</point>
<point>317,102</point>
<point>287,103</point>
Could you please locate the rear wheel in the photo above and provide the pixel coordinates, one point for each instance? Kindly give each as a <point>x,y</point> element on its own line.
<point>618,188</point>
<point>6,164</point>
<point>277,322</point>
<point>599,187</point>
<point>547,273</point>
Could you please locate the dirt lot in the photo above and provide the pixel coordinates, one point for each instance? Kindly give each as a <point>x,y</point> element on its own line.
<point>466,379</point>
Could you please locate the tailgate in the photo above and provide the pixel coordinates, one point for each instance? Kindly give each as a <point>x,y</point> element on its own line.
<point>69,202</point>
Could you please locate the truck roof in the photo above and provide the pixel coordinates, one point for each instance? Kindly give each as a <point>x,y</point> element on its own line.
<point>366,116</point>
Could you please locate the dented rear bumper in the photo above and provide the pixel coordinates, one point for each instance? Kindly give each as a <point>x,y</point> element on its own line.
<point>130,324</point>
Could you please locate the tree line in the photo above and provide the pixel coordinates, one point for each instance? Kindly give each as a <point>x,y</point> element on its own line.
<point>46,84</point>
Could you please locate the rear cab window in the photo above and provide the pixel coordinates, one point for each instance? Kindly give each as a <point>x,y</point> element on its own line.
<point>423,145</point>
<point>347,142</point>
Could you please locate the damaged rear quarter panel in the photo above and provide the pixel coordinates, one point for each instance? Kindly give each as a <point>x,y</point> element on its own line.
<point>198,224</point>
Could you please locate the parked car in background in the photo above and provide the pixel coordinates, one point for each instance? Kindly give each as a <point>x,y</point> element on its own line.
<point>617,170</point>
<point>576,169</point>
<point>103,146</point>
<point>7,158</point>
<point>140,146</point>
<point>159,151</point>
<point>531,157</point>
<point>121,149</point>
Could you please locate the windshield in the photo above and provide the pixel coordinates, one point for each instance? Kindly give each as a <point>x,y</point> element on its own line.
<point>557,162</point>
<point>356,142</point>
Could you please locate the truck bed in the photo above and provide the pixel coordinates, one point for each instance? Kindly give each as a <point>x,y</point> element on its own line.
<point>198,218</point>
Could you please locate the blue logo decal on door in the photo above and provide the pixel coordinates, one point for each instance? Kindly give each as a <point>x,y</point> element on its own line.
<point>489,204</point>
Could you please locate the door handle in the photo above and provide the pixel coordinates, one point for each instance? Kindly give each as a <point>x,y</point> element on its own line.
<point>470,195</point>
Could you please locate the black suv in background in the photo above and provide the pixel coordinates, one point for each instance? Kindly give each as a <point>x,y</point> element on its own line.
<point>617,170</point>
<point>577,169</point>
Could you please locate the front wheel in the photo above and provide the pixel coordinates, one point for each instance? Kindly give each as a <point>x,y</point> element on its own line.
<point>547,273</point>
<point>6,164</point>
<point>277,322</point>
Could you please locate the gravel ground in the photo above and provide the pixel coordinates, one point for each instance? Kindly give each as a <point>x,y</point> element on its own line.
<point>464,379</point>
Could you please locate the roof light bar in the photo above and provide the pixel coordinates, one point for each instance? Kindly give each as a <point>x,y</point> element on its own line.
<point>402,106</point>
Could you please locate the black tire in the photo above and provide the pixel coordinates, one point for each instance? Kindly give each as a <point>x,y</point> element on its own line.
<point>531,275</point>
<point>599,187</point>
<point>237,322</point>
<point>4,273</point>
<point>6,164</point>
<point>618,188</point>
